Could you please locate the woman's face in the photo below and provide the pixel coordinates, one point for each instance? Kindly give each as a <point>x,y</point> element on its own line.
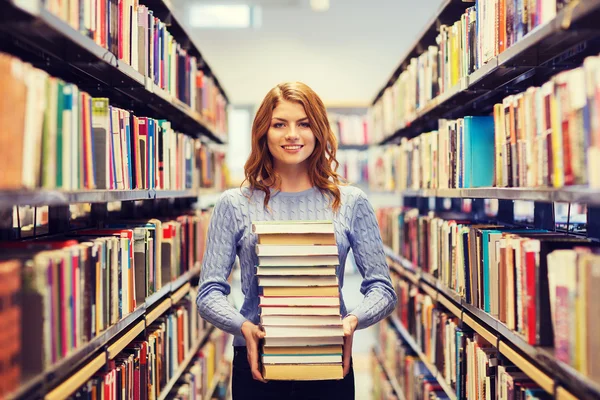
<point>290,138</point>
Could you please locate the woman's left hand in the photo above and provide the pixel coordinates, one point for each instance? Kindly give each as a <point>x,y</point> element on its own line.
<point>349,324</point>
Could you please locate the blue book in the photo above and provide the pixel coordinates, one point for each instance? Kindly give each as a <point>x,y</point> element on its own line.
<point>478,151</point>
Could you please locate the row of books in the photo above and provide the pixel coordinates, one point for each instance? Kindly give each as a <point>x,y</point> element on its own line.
<point>300,304</point>
<point>538,283</point>
<point>404,365</point>
<point>544,137</point>
<point>59,137</point>
<point>354,165</point>
<point>464,360</point>
<point>144,368</point>
<point>381,388</point>
<point>350,129</point>
<point>131,32</point>
<point>484,31</point>
<point>197,382</point>
<point>67,292</point>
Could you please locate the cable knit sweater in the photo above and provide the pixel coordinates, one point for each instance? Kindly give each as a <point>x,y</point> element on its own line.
<point>230,234</point>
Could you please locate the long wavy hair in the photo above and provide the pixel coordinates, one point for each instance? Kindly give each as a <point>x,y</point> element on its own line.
<point>322,163</point>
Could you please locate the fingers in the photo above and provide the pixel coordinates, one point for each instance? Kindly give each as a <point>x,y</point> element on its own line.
<point>256,374</point>
<point>252,348</point>
<point>347,354</point>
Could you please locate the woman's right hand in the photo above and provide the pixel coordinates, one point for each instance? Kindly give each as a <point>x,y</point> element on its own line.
<point>253,334</point>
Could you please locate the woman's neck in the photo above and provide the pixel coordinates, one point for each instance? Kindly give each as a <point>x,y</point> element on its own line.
<point>293,179</point>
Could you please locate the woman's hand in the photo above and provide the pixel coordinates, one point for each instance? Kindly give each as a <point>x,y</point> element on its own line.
<point>253,334</point>
<point>349,324</point>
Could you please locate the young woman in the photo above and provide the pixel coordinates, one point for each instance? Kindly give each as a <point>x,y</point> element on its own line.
<point>291,176</point>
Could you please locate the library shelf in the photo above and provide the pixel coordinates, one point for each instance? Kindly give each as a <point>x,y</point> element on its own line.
<point>164,10</point>
<point>390,377</point>
<point>448,11</point>
<point>531,56</point>
<point>110,340</point>
<point>360,147</point>
<point>569,194</point>
<point>221,369</point>
<point>186,362</point>
<point>68,54</point>
<point>539,363</point>
<point>45,197</point>
<point>406,336</point>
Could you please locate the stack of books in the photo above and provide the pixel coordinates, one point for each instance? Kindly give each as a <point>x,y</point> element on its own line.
<point>300,302</point>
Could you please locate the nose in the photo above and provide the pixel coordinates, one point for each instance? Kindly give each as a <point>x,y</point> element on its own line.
<point>292,134</point>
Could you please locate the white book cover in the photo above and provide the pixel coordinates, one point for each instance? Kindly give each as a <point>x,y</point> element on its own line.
<point>280,261</point>
<point>302,359</point>
<point>271,227</point>
<point>302,332</point>
<point>300,301</point>
<point>302,341</point>
<point>297,281</point>
<point>299,311</point>
<point>296,271</point>
<point>296,250</point>
<point>305,320</point>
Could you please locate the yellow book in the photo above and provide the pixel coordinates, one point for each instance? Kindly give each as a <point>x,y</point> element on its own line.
<point>298,239</point>
<point>558,175</point>
<point>301,291</point>
<point>305,372</point>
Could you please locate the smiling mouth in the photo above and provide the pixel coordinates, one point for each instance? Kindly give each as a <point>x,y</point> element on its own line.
<point>293,147</point>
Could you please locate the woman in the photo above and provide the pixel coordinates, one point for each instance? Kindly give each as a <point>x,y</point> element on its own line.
<point>291,176</point>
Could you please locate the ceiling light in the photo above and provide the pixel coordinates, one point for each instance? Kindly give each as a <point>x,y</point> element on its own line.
<point>319,5</point>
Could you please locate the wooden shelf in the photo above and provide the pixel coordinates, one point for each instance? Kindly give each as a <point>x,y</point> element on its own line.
<point>540,362</point>
<point>180,293</point>
<point>543,380</point>
<point>76,380</point>
<point>157,311</point>
<point>413,345</point>
<point>569,194</point>
<point>391,378</point>
<point>43,197</point>
<point>41,36</point>
<point>118,346</point>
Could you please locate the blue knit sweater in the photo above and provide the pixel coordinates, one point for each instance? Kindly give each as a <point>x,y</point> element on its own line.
<point>230,234</point>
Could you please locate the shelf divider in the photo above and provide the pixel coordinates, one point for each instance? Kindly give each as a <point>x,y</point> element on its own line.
<point>539,377</point>
<point>76,380</point>
<point>115,348</point>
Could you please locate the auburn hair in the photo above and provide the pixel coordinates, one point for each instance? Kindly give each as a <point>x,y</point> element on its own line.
<point>322,163</point>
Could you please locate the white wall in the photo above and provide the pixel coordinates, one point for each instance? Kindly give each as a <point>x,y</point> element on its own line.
<point>345,54</point>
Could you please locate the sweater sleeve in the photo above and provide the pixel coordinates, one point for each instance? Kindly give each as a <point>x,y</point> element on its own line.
<point>365,240</point>
<point>219,257</point>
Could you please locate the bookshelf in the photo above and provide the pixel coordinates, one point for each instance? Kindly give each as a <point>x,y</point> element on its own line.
<point>390,376</point>
<point>59,374</point>
<point>32,32</point>
<point>42,197</point>
<point>538,363</point>
<point>543,52</point>
<point>33,35</point>
<point>560,44</point>
<point>585,195</point>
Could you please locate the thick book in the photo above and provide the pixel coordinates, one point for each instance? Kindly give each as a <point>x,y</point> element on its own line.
<point>297,281</point>
<point>296,250</point>
<point>295,271</point>
<point>309,372</point>
<point>292,227</point>
<point>304,320</point>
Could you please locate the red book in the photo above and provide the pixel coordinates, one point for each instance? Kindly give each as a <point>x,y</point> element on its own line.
<point>531,315</point>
